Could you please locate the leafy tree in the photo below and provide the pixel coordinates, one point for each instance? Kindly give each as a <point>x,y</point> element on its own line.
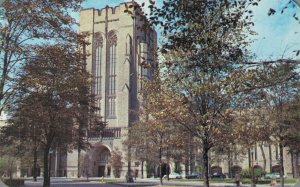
<point>155,133</point>
<point>24,23</point>
<point>8,161</point>
<point>203,50</point>
<point>293,138</point>
<point>280,95</point>
<point>270,99</point>
<point>48,98</point>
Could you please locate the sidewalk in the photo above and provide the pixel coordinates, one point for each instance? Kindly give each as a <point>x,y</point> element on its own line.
<point>185,183</point>
<point>2,184</point>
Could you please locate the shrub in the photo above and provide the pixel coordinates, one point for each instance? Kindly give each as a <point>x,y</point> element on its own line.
<point>14,182</point>
<point>258,172</point>
<point>247,173</point>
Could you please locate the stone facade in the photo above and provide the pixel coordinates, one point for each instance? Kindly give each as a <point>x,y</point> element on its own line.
<point>118,47</point>
<point>116,51</point>
<point>254,157</point>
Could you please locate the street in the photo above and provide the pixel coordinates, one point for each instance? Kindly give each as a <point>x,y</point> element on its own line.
<point>70,184</point>
<point>146,182</point>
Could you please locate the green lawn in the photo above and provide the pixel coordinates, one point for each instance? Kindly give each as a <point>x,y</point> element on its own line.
<point>244,181</point>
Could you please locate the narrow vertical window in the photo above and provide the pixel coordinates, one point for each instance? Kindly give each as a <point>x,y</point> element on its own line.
<point>128,45</point>
<point>98,46</point>
<point>97,60</point>
<point>111,103</point>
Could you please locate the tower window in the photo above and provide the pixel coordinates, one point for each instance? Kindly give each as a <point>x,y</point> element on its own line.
<point>98,46</point>
<point>111,95</point>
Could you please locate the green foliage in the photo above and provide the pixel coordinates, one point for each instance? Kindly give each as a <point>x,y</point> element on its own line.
<point>3,166</point>
<point>177,168</point>
<point>247,173</point>
<point>258,172</point>
<point>149,169</point>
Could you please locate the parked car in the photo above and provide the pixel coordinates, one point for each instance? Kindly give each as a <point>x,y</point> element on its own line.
<point>218,175</point>
<point>194,175</point>
<point>173,176</point>
<point>273,176</point>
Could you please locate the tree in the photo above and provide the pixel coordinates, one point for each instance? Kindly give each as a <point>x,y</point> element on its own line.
<point>203,49</point>
<point>293,132</point>
<point>116,162</point>
<point>154,136</point>
<point>24,23</point>
<point>48,96</point>
<point>28,125</point>
<point>8,162</point>
<point>280,95</point>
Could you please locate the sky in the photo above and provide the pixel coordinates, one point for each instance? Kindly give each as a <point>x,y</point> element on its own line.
<point>277,36</point>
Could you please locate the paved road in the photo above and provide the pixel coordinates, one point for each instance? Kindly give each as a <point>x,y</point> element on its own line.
<point>71,184</point>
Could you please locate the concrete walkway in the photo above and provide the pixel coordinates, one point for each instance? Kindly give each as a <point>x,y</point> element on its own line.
<point>2,184</point>
<point>298,183</point>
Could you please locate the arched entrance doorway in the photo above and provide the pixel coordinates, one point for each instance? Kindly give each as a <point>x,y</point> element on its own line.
<point>98,161</point>
<point>216,169</point>
<point>236,169</point>
<point>165,169</point>
<point>276,169</point>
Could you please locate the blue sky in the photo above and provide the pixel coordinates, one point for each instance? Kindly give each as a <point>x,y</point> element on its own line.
<point>277,36</point>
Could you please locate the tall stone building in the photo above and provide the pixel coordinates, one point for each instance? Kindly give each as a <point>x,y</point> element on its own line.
<point>118,47</point>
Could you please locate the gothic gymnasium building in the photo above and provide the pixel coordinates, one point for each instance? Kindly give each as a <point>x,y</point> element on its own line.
<point>118,47</point>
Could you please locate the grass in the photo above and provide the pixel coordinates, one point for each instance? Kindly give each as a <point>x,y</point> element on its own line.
<point>244,181</point>
<point>173,186</point>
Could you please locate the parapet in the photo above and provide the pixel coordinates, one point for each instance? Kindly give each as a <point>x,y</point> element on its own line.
<point>119,9</point>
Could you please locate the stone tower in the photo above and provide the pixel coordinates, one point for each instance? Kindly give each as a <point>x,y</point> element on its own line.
<point>117,48</point>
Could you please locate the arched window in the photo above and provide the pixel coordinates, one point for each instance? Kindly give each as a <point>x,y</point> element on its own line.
<point>98,45</point>
<point>111,103</point>
<point>128,45</point>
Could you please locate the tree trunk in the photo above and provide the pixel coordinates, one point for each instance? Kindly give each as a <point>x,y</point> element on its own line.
<point>142,169</point>
<point>4,74</point>
<point>129,177</point>
<point>10,172</point>
<point>249,158</point>
<point>46,169</point>
<point>78,163</point>
<point>281,165</point>
<point>229,165</point>
<point>270,157</point>
<point>264,158</point>
<point>293,163</point>
<point>160,162</point>
<point>35,164</point>
<point>297,165</point>
<point>205,165</point>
